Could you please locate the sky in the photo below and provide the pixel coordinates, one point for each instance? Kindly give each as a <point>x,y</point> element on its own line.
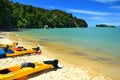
<point>92,11</point>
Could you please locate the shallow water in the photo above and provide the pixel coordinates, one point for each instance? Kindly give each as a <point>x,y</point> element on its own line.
<point>103,40</point>
<point>81,46</point>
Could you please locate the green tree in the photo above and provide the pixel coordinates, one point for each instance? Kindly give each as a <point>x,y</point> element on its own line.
<point>5,14</point>
<point>16,16</point>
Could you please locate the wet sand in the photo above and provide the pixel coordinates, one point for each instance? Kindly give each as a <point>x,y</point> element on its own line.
<point>76,68</point>
<point>93,64</point>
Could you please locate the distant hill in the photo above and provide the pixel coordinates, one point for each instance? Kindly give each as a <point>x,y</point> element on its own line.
<point>104,25</point>
<point>14,16</point>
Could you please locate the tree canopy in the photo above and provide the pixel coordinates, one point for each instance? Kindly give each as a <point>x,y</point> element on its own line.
<point>104,25</point>
<point>14,16</point>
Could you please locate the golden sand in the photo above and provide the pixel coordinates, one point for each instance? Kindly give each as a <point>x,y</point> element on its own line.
<point>68,72</point>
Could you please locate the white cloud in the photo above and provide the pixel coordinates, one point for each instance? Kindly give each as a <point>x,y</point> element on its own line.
<point>52,7</point>
<point>115,7</point>
<point>88,12</point>
<point>97,18</point>
<point>106,1</point>
<point>111,23</point>
<point>105,20</point>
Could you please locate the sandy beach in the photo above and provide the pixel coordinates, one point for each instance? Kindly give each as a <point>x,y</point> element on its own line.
<point>67,72</point>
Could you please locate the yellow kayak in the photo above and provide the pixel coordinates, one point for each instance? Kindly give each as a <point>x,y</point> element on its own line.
<point>21,52</point>
<point>10,53</point>
<point>10,45</point>
<point>17,72</point>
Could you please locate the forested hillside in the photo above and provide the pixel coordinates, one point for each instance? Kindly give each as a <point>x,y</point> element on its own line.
<point>15,16</point>
<point>104,25</point>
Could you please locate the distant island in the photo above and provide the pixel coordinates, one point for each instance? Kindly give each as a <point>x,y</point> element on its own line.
<point>104,25</point>
<point>15,16</point>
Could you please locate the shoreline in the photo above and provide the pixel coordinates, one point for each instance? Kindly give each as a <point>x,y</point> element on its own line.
<point>86,69</point>
<point>93,67</point>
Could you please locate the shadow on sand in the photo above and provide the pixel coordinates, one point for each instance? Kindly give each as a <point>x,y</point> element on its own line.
<point>36,74</point>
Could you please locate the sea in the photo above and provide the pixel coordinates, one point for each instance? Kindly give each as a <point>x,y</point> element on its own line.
<point>98,42</point>
<point>96,48</point>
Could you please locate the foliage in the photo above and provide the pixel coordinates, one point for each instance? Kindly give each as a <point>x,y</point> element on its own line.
<point>104,25</point>
<point>15,16</point>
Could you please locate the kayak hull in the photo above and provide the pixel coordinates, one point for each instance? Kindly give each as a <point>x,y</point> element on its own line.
<point>17,72</point>
<point>10,45</point>
<point>16,53</point>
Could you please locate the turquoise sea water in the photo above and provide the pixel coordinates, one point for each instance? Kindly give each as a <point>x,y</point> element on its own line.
<point>87,47</point>
<point>103,40</point>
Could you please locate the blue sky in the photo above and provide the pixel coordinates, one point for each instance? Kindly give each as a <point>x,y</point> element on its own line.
<point>93,11</point>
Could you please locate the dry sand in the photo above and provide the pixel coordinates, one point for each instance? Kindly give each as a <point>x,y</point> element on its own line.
<point>67,72</point>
